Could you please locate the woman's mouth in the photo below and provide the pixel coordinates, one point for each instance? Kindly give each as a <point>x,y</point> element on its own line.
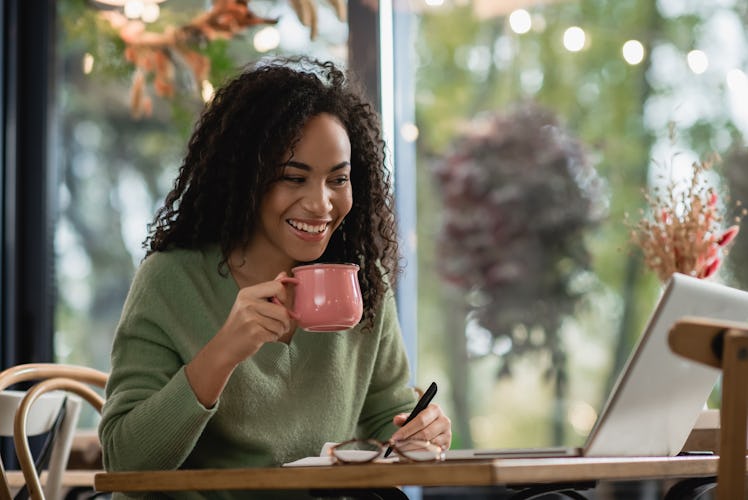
<point>308,228</point>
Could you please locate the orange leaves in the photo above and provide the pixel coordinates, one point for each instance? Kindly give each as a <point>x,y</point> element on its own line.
<point>306,11</point>
<point>157,57</point>
<point>225,19</point>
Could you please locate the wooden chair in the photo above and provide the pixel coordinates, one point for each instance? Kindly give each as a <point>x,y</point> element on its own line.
<point>722,345</point>
<point>51,377</point>
<point>54,415</point>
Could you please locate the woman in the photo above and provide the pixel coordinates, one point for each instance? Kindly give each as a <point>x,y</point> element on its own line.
<point>285,166</point>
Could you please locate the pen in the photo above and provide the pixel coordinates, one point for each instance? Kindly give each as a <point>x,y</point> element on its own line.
<point>420,406</point>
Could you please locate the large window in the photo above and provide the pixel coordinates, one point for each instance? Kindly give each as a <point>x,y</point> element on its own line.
<point>536,128</point>
<point>525,135</point>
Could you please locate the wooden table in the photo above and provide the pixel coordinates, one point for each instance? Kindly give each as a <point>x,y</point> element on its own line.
<point>70,479</point>
<point>452,473</point>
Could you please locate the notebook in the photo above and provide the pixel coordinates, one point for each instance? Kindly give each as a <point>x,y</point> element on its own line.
<point>658,395</point>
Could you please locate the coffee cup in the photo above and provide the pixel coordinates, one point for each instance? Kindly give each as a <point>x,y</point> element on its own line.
<point>327,297</point>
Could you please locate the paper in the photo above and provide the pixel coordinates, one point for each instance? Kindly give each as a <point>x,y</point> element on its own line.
<point>310,462</point>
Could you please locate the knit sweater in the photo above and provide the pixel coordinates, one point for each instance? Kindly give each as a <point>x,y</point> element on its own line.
<point>280,404</point>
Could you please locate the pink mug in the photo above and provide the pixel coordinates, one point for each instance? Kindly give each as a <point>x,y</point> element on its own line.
<point>327,297</point>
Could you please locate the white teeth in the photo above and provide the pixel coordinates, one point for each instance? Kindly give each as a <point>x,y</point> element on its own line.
<point>307,228</point>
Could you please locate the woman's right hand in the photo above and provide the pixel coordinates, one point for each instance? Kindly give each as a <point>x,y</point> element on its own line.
<point>259,315</point>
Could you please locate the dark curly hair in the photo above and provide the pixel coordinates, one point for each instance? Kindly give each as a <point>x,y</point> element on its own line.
<point>236,152</point>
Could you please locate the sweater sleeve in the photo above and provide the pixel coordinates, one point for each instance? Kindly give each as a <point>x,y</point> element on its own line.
<point>151,418</point>
<point>389,391</point>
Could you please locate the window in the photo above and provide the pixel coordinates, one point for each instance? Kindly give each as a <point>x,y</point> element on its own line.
<point>530,294</point>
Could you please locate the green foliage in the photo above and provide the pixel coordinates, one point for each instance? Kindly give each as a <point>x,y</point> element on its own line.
<point>468,67</point>
<point>85,31</point>
<point>592,90</point>
<point>222,65</point>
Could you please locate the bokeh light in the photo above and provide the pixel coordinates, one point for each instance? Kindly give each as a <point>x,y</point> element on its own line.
<point>409,132</point>
<point>88,63</point>
<point>574,39</point>
<point>633,52</point>
<point>697,61</point>
<point>150,12</point>
<point>207,91</point>
<point>266,39</point>
<point>520,21</point>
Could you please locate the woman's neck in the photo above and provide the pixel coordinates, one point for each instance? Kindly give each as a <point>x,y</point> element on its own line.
<point>249,269</point>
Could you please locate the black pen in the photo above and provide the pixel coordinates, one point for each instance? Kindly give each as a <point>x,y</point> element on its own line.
<point>420,406</point>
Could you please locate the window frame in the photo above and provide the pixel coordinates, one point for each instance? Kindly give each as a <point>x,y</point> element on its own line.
<point>28,182</point>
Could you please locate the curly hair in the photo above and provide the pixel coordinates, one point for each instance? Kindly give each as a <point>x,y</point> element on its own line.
<point>236,152</point>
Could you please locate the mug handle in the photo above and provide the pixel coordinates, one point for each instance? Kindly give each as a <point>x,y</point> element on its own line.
<point>274,300</point>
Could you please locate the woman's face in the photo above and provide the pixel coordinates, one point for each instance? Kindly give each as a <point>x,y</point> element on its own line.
<point>300,212</point>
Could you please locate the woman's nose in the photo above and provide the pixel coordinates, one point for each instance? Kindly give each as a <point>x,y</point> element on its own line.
<point>317,200</point>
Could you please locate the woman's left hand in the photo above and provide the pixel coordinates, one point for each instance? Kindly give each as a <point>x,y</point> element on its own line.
<point>429,425</point>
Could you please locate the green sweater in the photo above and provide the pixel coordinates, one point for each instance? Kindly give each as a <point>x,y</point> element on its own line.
<point>279,405</point>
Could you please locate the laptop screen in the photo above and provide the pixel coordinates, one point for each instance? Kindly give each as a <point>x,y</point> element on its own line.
<point>659,395</point>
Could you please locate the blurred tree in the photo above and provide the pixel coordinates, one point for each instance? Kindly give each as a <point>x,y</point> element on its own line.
<point>519,195</point>
<point>470,66</point>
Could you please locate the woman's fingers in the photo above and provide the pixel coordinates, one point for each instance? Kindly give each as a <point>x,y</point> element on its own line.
<point>258,316</point>
<point>429,425</point>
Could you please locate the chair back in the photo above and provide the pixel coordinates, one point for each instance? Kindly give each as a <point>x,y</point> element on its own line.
<point>42,419</point>
<point>52,378</point>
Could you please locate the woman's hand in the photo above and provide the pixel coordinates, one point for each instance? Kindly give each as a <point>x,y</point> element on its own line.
<point>429,425</point>
<point>258,316</point>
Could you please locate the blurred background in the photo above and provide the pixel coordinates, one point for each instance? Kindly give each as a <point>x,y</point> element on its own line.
<point>521,134</point>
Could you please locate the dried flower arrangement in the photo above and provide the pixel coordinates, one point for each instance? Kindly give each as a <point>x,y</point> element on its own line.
<point>684,229</point>
<point>155,53</point>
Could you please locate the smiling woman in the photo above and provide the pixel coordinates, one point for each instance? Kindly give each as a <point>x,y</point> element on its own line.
<point>312,198</point>
<point>207,354</point>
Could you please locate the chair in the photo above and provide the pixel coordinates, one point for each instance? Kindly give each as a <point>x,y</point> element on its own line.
<point>722,345</point>
<point>51,377</point>
<point>54,414</point>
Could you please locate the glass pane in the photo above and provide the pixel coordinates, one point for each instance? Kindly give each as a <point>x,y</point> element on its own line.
<point>116,161</point>
<point>537,128</point>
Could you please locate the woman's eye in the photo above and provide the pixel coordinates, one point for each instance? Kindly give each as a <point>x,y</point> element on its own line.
<point>340,181</point>
<point>293,178</point>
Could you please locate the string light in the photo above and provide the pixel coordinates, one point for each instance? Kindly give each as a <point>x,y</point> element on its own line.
<point>266,39</point>
<point>147,11</point>
<point>151,12</point>
<point>698,61</point>
<point>520,21</point>
<point>574,39</point>
<point>133,9</point>
<point>633,52</point>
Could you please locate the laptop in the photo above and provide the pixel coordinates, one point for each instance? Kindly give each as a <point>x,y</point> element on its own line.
<point>658,395</point>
